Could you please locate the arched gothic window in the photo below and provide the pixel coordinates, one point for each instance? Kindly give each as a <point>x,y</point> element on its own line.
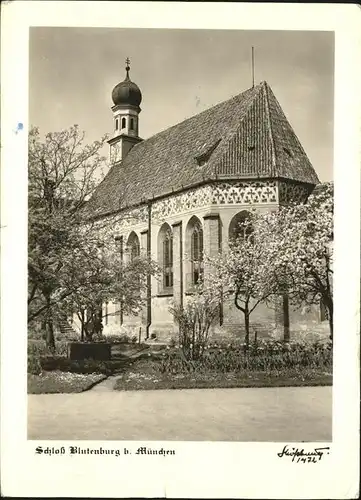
<point>123,123</point>
<point>239,226</point>
<point>196,254</point>
<point>133,246</point>
<point>131,124</point>
<point>165,256</point>
<point>168,260</point>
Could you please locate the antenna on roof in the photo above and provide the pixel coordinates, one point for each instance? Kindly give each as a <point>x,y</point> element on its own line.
<point>252,67</point>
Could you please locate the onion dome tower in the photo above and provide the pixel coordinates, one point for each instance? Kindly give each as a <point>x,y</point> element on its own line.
<point>126,97</point>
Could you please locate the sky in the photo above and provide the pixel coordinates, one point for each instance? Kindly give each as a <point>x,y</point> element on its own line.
<point>72,73</point>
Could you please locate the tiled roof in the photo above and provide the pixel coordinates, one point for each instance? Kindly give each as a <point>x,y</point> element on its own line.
<point>247,136</point>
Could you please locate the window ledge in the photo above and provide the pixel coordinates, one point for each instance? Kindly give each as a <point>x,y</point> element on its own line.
<point>165,293</point>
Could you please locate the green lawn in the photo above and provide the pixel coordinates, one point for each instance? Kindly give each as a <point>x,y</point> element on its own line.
<point>61,382</point>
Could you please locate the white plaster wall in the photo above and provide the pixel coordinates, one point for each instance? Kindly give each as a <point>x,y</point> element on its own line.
<point>262,319</point>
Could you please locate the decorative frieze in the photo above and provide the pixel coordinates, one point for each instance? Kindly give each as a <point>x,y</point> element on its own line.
<point>183,202</point>
<point>222,193</point>
<point>125,221</point>
<point>244,193</point>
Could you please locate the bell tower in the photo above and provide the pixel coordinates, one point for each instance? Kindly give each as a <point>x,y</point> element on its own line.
<point>126,97</point>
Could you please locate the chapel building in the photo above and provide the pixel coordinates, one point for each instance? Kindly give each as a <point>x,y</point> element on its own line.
<point>184,192</point>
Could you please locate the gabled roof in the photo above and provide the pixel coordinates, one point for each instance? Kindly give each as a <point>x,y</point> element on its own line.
<point>245,137</point>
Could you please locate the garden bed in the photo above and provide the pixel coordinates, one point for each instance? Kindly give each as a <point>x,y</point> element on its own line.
<point>144,375</point>
<point>140,367</point>
<point>267,364</point>
<point>62,382</point>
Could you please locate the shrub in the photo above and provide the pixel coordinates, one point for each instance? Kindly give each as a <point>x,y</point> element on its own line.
<point>122,338</point>
<point>35,349</point>
<point>150,356</point>
<point>172,343</point>
<point>61,348</point>
<point>34,365</point>
<point>39,347</point>
<point>194,322</point>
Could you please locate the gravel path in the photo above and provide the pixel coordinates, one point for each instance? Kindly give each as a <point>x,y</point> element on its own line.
<point>264,414</point>
<point>106,385</point>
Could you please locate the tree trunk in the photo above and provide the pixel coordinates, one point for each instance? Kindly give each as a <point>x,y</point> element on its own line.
<point>43,329</point>
<point>49,327</point>
<point>99,328</point>
<point>328,304</point>
<point>330,318</point>
<point>50,339</point>
<point>89,328</point>
<point>246,324</point>
<point>82,320</point>
<point>286,319</point>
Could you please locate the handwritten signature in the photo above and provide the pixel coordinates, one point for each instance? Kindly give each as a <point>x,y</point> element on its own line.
<point>299,455</point>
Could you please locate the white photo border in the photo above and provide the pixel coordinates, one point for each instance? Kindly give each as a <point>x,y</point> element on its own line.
<point>198,470</point>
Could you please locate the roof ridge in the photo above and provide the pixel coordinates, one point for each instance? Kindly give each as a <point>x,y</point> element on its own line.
<point>211,107</point>
<point>223,150</point>
<point>295,136</point>
<point>274,156</point>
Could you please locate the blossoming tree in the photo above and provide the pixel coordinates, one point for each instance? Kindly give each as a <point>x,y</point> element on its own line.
<point>243,272</point>
<point>66,271</point>
<point>300,250</point>
<point>287,252</point>
<point>102,276</point>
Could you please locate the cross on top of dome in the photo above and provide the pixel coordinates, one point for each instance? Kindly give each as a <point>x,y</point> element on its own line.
<point>127,92</point>
<point>127,66</point>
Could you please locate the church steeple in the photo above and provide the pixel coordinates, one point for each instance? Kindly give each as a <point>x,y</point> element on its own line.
<point>126,97</point>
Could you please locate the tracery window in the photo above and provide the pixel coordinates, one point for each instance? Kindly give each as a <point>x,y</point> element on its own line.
<point>133,246</point>
<point>165,258</point>
<point>133,251</point>
<point>168,260</point>
<point>196,254</point>
<point>240,227</point>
